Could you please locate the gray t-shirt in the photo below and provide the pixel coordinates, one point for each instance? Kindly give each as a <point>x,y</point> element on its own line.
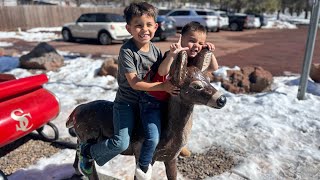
<point>131,60</point>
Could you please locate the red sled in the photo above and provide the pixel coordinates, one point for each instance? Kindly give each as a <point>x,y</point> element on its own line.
<point>26,106</point>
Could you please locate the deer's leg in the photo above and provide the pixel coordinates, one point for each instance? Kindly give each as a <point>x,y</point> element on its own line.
<point>171,169</point>
<point>75,164</point>
<point>94,175</point>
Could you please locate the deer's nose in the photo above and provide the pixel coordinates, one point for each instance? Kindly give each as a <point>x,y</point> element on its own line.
<point>221,101</point>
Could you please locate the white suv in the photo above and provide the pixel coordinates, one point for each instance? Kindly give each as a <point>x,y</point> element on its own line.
<point>104,27</point>
<point>207,18</point>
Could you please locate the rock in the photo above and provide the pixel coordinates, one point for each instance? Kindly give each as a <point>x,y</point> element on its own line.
<point>43,56</point>
<point>109,67</point>
<point>248,79</point>
<point>185,152</point>
<point>247,70</point>
<point>315,72</point>
<point>260,80</point>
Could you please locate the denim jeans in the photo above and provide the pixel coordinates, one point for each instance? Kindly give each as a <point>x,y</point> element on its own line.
<point>150,115</point>
<point>124,115</point>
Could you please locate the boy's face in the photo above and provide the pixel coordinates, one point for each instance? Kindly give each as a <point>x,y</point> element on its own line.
<point>194,41</point>
<point>142,29</point>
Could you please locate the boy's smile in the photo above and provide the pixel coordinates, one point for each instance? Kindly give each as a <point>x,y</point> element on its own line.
<point>142,29</point>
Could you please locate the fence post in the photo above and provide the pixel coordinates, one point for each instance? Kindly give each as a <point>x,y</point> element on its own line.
<point>312,33</point>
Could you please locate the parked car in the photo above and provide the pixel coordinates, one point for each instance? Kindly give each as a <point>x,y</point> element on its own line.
<point>105,27</point>
<point>251,21</point>
<point>237,22</point>
<point>166,27</point>
<point>262,19</point>
<point>207,18</point>
<point>223,19</point>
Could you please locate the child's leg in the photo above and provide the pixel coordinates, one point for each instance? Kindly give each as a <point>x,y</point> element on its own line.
<point>123,122</point>
<point>150,114</point>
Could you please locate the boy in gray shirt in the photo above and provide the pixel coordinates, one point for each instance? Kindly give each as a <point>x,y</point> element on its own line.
<point>137,57</point>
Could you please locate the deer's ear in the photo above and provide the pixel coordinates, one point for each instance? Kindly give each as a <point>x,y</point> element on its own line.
<point>178,71</point>
<point>202,60</point>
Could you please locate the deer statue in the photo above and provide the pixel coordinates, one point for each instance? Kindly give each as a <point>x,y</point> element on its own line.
<point>93,121</point>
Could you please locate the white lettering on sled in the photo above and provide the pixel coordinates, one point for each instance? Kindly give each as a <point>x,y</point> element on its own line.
<point>23,120</point>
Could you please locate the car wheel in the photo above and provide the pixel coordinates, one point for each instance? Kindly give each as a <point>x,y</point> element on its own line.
<point>66,35</point>
<point>104,38</point>
<point>234,26</point>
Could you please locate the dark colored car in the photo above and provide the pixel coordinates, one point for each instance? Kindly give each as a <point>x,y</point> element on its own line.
<point>237,22</point>
<point>167,27</point>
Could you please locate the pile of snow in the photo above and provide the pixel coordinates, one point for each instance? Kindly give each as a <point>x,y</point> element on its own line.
<point>278,134</point>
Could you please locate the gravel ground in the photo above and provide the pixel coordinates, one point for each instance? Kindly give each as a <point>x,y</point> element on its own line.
<point>28,150</point>
<point>214,162</point>
<point>23,153</point>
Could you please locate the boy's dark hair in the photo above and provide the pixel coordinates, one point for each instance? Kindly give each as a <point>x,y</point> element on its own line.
<point>139,9</point>
<point>193,26</point>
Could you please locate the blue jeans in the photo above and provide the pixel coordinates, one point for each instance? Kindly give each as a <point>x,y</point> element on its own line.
<point>150,115</point>
<point>124,115</point>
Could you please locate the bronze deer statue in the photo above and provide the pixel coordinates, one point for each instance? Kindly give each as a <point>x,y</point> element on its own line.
<point>93,121</point>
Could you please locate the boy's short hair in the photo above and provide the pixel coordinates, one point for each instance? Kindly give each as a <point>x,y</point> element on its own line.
<point>193,26</point>
<point>139,9</point>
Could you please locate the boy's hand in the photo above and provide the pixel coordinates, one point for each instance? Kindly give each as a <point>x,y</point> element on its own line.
<point>170,88</point>
<point>210,46</point>
<point>175,48</point>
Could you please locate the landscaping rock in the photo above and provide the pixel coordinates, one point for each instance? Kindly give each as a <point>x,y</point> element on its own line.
<point>315,72</point>
<point>43,56</point>
<point>247,80</point>
<point>109,67</point>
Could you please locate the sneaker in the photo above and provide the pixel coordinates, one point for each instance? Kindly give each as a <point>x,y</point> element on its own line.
<point>140,175</point>
<point>85,164</point>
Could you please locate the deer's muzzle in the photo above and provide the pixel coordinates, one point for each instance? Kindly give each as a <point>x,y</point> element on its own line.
<point>217,100</point>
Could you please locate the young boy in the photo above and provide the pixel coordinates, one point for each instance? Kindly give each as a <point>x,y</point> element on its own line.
<point>192,40</point>
<point>136,57</point>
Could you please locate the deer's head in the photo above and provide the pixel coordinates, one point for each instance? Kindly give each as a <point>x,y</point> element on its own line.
<point>194,84</point>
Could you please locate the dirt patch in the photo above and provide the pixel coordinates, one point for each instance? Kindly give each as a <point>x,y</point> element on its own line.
<point>214,162</point>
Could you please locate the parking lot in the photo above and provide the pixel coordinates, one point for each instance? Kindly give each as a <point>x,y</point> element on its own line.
<point>276,50</point>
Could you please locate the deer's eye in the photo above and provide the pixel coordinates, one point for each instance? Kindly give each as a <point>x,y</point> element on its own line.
<point>197,85</point>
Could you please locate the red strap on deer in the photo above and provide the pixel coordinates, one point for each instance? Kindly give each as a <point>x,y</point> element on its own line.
<point>160,95</point>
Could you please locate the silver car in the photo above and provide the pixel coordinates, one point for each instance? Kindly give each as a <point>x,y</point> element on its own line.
<point>104,27</point>
<point>207,18</point>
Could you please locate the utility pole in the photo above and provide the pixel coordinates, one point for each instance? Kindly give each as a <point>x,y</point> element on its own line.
<point>312,33</point>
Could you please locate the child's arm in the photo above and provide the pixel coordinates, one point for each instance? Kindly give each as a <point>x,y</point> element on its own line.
<point>165,65</point>
<point>137,84</point>
<point>214,63</point>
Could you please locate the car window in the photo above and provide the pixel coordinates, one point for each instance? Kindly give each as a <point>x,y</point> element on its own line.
<point>87,18</point>
<point>163,11</point>
<point>101,18</point>
<point>180,13</point>
<point>205,13</point>
<point>114,18</point>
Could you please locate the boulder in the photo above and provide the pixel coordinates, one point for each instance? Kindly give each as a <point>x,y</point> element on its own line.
<point>248,79</point>
<point>260,80</point>
<point>109,67</point>
<point>43,56</point>
<point>315,72</point>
